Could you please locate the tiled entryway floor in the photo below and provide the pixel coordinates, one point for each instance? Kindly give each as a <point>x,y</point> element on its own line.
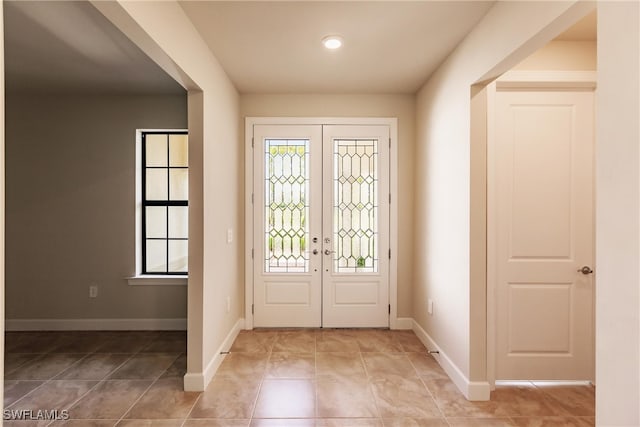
<point>270,378</point>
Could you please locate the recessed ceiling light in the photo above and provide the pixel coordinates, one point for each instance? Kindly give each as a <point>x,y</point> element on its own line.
<point>332,42</point>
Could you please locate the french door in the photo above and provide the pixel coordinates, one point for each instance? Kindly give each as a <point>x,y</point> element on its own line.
<point>321,225</point>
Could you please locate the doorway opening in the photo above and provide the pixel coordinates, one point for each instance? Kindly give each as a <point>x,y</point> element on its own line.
<point>320,223</point>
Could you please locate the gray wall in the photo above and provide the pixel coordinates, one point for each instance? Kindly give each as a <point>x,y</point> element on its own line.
<point>70,206</point>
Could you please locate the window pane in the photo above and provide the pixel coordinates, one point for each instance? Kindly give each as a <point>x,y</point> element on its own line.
<point>178,150</point>
<point>156,186</point>
<point>178,250</point>
<point>156,221</point>
<point>178,222</point>
<point>156,149</point>
<point>179,184</point>
<point>166,179</point>
<point>156,256</point>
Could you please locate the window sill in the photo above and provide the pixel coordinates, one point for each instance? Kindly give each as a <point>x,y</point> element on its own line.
<point>153,280</point>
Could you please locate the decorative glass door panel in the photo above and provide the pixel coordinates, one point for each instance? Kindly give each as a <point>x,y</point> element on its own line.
<point>321,221</point>
<point>355,225</point>
<point>286,205</point>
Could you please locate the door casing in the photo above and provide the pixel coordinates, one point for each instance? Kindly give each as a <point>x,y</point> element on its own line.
<point>566,80</point>
<point>248,210</point>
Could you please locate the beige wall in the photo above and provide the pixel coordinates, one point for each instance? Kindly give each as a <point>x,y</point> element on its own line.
<point>443,185</point>
<point>618,215</point>
<point>400,106</point>
<point>165,33</point>
<point>444,219</point>
<point>562,55</point>
<point>71,206</point>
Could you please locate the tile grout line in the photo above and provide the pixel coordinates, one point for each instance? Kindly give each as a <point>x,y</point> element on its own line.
<point>147,389</point>
<point>195,402</point>
<point>100,381</point>
<point>19,399</point>
<point>315,380</point>
<point>47,381</point>
<point>370,386</point>
<point>200,394</point>
<point>84,355</point>
<point>38,356</point>
<point>264,374</point>
<point>121,418</point>
<point>421,379</point>
<point>72,404</point>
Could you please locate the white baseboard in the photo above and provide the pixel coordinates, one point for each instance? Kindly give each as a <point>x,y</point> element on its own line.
<point>472,390</point>
<point>95,324</point>
<point>403,323</point>
<point>200,380</point>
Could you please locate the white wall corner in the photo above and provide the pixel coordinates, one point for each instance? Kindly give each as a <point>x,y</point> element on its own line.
<point>194,382</point>
<point>199,381</point>
<point>402,323</point>
<point>478,391</point>
<point>472,390</point>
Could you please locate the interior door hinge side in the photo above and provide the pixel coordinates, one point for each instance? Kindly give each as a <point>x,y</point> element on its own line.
<point>389,142</point>
<point>389,308</point>
<point>252,308</point>
<point>389,198</point>
<point>251,253</point>
<point>251,142</point>
<point>389,253</point>
<point>251,198</point>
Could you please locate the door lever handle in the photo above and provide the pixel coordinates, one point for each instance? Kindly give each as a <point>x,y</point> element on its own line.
<point>585,270</point>
<point>328,252</point>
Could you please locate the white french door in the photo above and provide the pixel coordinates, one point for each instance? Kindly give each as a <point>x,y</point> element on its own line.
<point>321,225</point>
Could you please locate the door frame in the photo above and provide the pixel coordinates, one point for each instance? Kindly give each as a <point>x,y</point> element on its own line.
<point>518,80</point>
<point>392,122</point>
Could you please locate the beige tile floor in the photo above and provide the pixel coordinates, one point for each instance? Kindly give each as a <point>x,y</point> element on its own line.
<point>281,378</point>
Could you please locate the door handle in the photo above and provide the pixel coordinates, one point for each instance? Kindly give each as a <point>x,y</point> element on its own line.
<point>585,270</point>
<point>315,252</point>
<point>328,252</point>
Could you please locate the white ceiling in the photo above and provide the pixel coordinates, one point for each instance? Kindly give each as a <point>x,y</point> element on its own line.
<point>265,46</point>
<point>389,46</point>
<point>64,46</point>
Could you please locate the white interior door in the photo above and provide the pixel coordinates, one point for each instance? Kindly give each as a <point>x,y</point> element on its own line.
<point>321,226</point>
<point>544,235</point>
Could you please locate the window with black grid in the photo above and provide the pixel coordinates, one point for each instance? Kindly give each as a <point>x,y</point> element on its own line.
<point>165,201</point>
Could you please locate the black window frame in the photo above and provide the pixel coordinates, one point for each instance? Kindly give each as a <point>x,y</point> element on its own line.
<point>166,203</point>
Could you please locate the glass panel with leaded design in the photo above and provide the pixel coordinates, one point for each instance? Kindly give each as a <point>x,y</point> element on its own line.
<point>355,206</point>
<point>286,207</point>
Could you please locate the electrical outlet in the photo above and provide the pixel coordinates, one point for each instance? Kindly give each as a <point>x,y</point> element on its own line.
<point>229,235</point>
<point>93,291</point>
<point>430,306</point>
